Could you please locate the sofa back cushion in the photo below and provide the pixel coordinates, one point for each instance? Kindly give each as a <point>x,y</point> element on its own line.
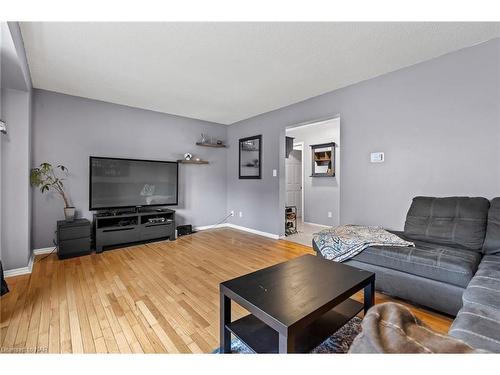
<point>453,221</point>
<point>492,239</point>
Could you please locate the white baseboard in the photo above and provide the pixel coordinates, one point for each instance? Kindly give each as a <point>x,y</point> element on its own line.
<point>21,271</point>
<point>29,268</point>
<point>43,250</point>
<point>254,231</point>
<point>239,227</point>
<point>318,225</point>
<point>206,227</point>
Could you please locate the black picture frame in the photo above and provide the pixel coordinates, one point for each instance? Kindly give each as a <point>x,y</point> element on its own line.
<point>251,147</point>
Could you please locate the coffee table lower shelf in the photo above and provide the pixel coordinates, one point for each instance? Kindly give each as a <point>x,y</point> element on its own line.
<point>261,338</point>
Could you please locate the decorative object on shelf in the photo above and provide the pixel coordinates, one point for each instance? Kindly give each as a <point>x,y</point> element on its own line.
<point>47,178</point>
<point>250,156</point>
<point>188,156</point>
<point>323,160</point>
<point>203,139</point>
<point>197,159</point>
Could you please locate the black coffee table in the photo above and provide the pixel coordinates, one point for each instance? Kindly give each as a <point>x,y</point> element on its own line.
<point>294,305</point>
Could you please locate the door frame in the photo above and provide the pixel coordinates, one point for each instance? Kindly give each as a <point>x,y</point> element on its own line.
<point>302,187</point>
<point>281,163</point>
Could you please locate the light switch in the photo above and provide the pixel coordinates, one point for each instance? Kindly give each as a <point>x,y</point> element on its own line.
<point>377,157</point>
<point>275,172</point>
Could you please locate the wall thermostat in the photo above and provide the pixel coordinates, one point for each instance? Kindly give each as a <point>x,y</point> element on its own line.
<point>377,157</point>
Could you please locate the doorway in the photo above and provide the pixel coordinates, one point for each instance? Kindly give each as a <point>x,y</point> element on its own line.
<point>315,199</point>
<point>295,179</point>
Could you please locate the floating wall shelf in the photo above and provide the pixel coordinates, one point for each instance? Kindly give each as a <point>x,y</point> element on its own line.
<point>210,145</point>
<point>192,162</point>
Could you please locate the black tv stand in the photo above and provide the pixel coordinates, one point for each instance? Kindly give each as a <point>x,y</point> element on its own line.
<point>119,229</point>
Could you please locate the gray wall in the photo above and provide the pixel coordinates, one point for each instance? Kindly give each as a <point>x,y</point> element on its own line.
<point>15,164</point>
<point>438,123</point>
<point>321,195</point>
<point>68,129</point>
<point>15,150</point>
<point>2,43</point>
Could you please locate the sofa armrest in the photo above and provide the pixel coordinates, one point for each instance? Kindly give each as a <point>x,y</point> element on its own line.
<point>392,328</point>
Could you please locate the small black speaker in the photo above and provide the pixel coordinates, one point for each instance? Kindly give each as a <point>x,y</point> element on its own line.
<point>183,230</point>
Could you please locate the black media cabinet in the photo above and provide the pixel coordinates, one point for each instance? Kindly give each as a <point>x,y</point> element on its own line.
<point>112,230</point>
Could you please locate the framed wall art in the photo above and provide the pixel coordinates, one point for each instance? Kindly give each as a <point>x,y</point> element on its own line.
<point>250,157</point>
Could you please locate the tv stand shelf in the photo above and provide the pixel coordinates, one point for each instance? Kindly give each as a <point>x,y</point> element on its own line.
<point>128,228</point>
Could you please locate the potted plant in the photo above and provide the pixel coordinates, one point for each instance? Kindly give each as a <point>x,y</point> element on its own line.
<point>47,178</point>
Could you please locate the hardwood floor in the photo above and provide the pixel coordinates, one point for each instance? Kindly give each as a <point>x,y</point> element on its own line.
<point>155,298</point>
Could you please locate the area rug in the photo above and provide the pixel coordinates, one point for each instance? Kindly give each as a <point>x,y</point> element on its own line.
<point>338,343</point>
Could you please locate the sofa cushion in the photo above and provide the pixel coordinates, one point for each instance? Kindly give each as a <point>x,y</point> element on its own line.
<point>484,288</point>
<point>454,221</point>
<point>478,321</point>
<point>490,265</point>
<point>492,239</point>
<point>437,262</point>
<point>478,326</point>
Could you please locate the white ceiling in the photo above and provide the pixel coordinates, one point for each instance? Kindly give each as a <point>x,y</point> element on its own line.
<point>226,72</point>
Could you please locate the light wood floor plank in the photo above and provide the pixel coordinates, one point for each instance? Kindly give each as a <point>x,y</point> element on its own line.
<point>54,324</point>
<point>155,298</point>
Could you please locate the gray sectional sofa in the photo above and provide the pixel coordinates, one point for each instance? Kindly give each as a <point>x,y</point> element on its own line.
<point>454,267</point>
<point>449,234</point>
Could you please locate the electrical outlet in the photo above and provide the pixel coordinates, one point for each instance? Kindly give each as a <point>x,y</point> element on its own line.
<point>241,214</point>
<point>329,214</point>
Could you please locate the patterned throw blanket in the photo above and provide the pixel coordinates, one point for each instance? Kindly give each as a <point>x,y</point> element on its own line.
<point>343,242</point>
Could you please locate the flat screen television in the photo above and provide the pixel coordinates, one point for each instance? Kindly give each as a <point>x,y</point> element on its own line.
<point>121,183</point>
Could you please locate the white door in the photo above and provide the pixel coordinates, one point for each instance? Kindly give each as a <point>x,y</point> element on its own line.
<point>294,180</point>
